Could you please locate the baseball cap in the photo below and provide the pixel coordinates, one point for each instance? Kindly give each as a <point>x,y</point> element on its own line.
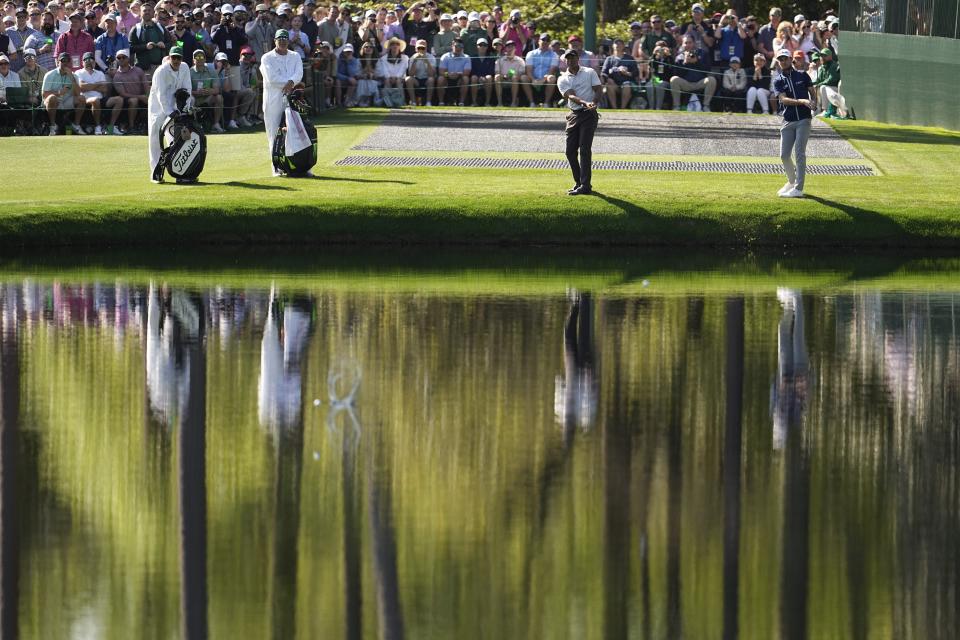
<point>483,40</point>
<point>246,51</point>
<point>826,51</point>
<point>515,12</point>
<point>669,24</point>
<point>123,52</point>
<point>462,14</point>
<point>281,34</point>
<point>77,15</point>
<point>445,16</point>
<point>111,17</point>
<point>370,14</point>
<point>226,9</point>
<point>473,15</point>
<point>220,56</point>
<point>239,8</point>
<point>783,53</point>
<point>814,55</point>
<point>30,52</point>
<point>570,53</point>
<point>697,7</point>
<point>200,53</point>
<point>21,10</point>
<point>347,47</point>
<point>4,58</point>
<point>544,36</point>
<point>574,38</point>
<point>324,43</point>
<point>262,7</point>
<point>284,7</point>
<point>800,54</point>
<point>634,25</point>
<point>734,59</point>
<point>88,55</point>
<point>87,15</point>
<point>798,18</point>
<point>497,41</point>
<point>422,43</point>
<point>63,56</point>
<point>11,19</point>
<point>176,51</point>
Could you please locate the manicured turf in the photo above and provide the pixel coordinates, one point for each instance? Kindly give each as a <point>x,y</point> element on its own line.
<point>95,190</point>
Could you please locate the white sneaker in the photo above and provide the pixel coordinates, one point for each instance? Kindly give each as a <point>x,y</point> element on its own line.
<point>706,109</point>
<point>785,188</point>
<point>216,128</point>
<point>53,129</point>
<point>243,122</point>
<point>117,131</point>
<point>792,193</point>
<point>232,125</point>
<point>277,173</point>
<point>98,131</point>
<point>77,129</point>
<point>428,104</point>
<point>533,105</point>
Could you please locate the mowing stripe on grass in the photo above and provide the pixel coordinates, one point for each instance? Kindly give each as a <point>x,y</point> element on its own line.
<point>766,168</point>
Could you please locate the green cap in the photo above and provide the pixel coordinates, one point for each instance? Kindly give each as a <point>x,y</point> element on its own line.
<point>281,34</point>
<point>176,51</point>
<point>826,51</point>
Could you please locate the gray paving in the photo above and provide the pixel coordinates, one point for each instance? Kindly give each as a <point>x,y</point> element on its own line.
<point>634,133</point>
<point>770,168</point>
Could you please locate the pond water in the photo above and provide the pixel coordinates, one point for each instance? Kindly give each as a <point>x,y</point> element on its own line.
<point>746,450</point>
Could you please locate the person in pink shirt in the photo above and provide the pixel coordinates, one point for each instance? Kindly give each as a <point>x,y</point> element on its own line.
<point>75,42</point>
<point>515,30</point>
<point>127,19</point>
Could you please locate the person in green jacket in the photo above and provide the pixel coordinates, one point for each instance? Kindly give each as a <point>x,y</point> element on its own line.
<point>148,41</point>
<point>828,86</point>
<point>473,33</point>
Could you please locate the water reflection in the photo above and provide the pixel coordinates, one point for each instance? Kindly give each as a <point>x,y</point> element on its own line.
<point>432,494</point>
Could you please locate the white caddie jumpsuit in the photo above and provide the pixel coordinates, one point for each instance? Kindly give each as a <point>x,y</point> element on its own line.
<point>162,102</point>
<point>277,70</point>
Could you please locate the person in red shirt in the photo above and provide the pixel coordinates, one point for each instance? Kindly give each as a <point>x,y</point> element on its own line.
<point>75,42</point>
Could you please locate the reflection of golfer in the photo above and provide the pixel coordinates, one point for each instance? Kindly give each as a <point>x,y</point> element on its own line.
<point>797,98</point>
<point>575,394</point>
<point>789,391</point>
<point>281,70</point>
<point>578,85</point>
<point>168,77</point>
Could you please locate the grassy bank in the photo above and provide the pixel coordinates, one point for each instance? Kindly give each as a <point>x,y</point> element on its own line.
<point>95,191</point>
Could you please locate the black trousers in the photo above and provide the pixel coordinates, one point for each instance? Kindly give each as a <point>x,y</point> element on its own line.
<point>581,125</point>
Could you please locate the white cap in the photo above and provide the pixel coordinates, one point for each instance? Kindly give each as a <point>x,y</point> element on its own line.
<point>473,15</point>
<point>784,53</point>
<point>227,8</point>
<point>121,52</point>
<point>4,58</point>
<point>284,7</point>
<point>515,12</point>
<point>461,14</point>
<point>798,18</point>
<point>446,16</point>
<point>30,52</point>
<point>370,14</point>
<point>220,56</point>
<point>347,47</point>
<point>483,40</point>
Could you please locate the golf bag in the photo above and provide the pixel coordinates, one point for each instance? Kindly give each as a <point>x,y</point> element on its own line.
<point>295,147</point>
<point>183,143</point>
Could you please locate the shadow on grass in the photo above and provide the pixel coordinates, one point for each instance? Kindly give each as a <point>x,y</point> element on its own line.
<point>629,208</point>
<point>258,187</point>
<point>898,134</point>
<point>334,179</point>
<point>880,226</point>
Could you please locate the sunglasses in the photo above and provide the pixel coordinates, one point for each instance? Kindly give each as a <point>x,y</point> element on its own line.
<point>656,21</point>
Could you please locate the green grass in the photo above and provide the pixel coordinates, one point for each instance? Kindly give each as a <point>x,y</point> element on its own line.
<point>96,191</point>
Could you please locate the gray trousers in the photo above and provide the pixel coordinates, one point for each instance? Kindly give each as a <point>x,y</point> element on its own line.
<point>793,144</point>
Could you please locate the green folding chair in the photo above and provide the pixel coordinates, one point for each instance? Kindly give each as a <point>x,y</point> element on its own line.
<point>19,100</point>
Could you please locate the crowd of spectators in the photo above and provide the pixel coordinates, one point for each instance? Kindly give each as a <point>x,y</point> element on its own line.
<point>85,67</point>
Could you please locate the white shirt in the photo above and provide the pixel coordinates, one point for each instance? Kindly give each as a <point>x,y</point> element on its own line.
<point>277,70</point>
<point>163,88</point>
<point>387,69</point>
<point>91,77</point>
<point>582,82</point>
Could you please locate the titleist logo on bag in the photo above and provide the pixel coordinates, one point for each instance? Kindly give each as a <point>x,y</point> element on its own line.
<point>186,155</point>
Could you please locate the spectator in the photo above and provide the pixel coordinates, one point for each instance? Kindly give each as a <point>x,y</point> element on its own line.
<point>444,37</point>
<point>44,41</point>
<point>828,86</point>
<point>249,82</point>
<point>76,42</point>
<point>391,29</point>
<point>367,89</point>
<point>130,84</point>
<point>619,74</point>
<point>370,32</point>
<point>417,26</point>
<point>7,47</point>
<point>31,77</point>
<point>392,67</point>
<point>92,26</point>
<point>804,35</point>
<point>750,46</point>
<point>8,79</point>
<point>107,45</point>
<point>229,36</point>
<point>587,59</point>
<point>18,35</point>
<point>61,91</point>
<point>203,26</point>
<point>60,17</point>
<point>784,39</point>
<point>421,72</point>
<point>206,90</point>
<point>310,26</point>
<point>126,19</point>
<point>702,32</point>
<point>730,35</point>
<point>148,41</point>
<point>454,72</point>
<point>490,25</point>
<point>758,84</point>
<point>482,70</point>
<point>767,34</point>
<point>470,36</point>
<point>645,79</point>
<point>637,31</point>
<point>298,39</point>
<point>335,29</point>
<point>462,22</point>
<point>186,39</point>
<point>662,68</point>
<point>733,90</point>
<point>326,65</point>
<point>94,87</point>
<point>657,34</point>
<point>511,69</point>
<point>260,32</point>
<point>348,72</point>
<point>799,59</point>
<point>542,66</point>
<point>691,77</point>
<point>514,30</point>
<point>497,48</point>
<point>225,75</point>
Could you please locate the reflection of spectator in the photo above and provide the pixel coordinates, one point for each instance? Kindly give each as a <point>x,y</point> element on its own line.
<point>734,89</point>
<point>575,394</point>
<point>789,392</point>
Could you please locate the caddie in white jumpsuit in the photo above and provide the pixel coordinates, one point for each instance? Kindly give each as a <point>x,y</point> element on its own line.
<point>169,76</point>
<point>282,70</point>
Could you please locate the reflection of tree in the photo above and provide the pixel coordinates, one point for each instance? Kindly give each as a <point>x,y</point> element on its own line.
<point>383,539</point>
<point>732,443</point>
<point>9,442</point>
